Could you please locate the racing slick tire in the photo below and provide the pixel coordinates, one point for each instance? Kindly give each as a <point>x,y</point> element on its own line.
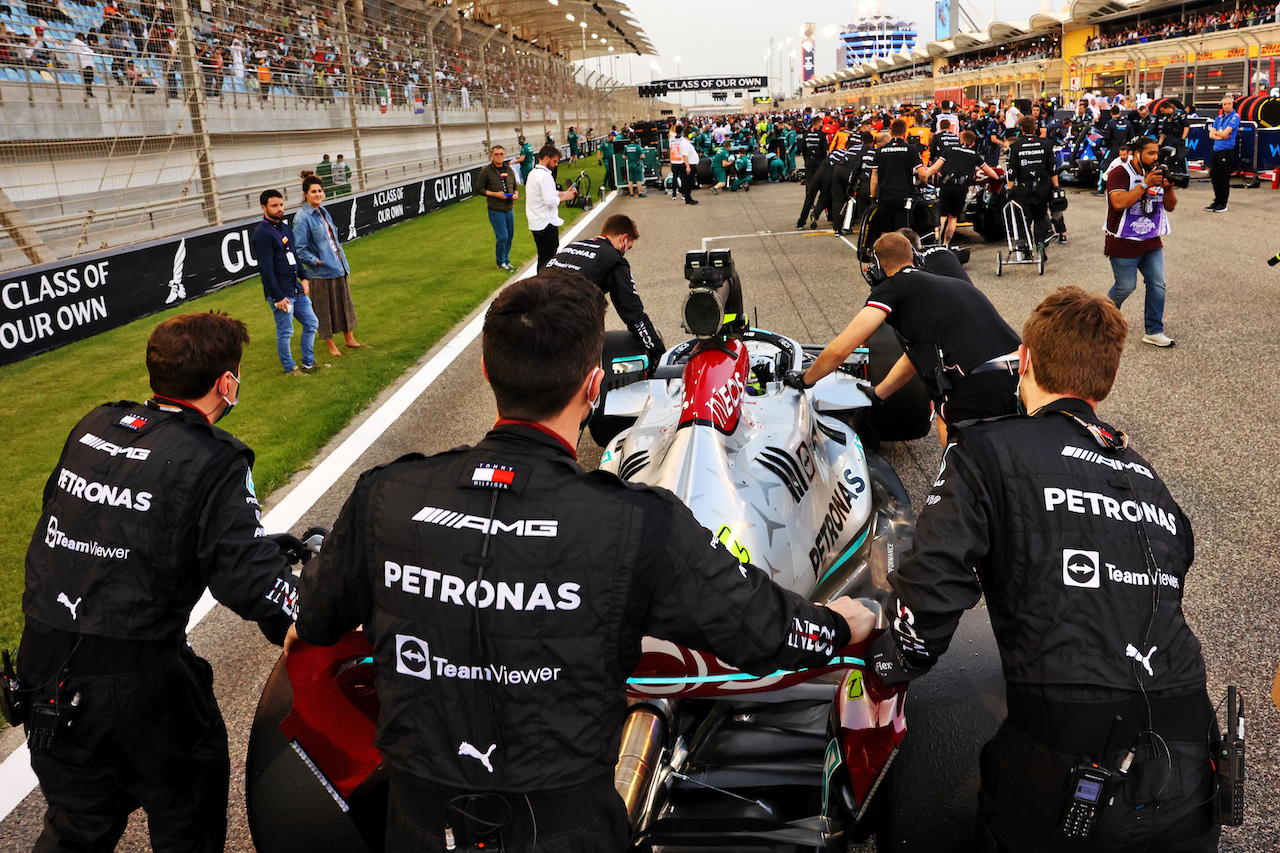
<point>908,413</point>
<point>929,799</point>
<point>703,171</point>
<point>759,167</point>
<point>622,357</point>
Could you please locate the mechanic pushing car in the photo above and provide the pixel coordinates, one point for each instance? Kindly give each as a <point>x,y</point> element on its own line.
<point>1082,555</point>
<point>602,261</point>
<point>149,504</point>
<point>505,593</point>
<point>955,340</point>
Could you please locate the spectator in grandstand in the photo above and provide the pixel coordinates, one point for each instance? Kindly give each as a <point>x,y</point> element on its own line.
<point>542,204</point>
<point>1139,200</point>
<point>284,283</point>
<point>497,180</point>
<point>264,79</point>
<point>1223,133</point>
<point>84,57</point>
<point>325,265</point>
<point>139,80</point>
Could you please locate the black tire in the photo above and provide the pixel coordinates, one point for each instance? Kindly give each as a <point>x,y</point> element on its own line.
<point>905,416</point>
<point>288,808</point>
<point>999,264</point>
<point>617,345</point>
<point>931,791</point>
<point>703,170</point>
<point>759,167</point>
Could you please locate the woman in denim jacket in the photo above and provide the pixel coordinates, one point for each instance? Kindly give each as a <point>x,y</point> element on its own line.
<point>316,242</point>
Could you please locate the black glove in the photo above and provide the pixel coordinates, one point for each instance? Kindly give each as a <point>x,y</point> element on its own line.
<point>1271,262</point>
<point>870,391</point>
<point>795,379</point>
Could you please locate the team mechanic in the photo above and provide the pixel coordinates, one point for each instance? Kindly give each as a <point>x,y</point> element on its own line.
<point>1082,555</point>
<point>505,592</point>
<point>1033,179</point>
<point>149,505</point>
<point>601,261</point>
<point>955,340</point>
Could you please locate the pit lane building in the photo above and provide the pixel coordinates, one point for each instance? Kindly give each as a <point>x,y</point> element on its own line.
<point>1194,51</point>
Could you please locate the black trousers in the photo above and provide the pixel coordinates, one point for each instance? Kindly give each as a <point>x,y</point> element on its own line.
<point>152,739</point>
<point>817,198</point>
<point>595,822</point>
<point>548,242</point>
<point>841,194</point>
<point>1220,169</point>
<point>1035,204</point>
<point>87,74</point>
<point>681,181</point>
<point>1161,806</point>
<point>990,394</point>
<point>893,213</point>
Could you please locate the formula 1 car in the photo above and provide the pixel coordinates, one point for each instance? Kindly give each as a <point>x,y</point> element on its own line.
<point>710,755</point>
<point>1077,161</point>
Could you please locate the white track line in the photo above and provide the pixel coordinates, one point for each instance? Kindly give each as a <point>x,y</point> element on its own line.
<point>16,777</point>
<point>706,240</point>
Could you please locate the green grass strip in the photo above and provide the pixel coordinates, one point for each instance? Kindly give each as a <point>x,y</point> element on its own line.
<point>411,284</point>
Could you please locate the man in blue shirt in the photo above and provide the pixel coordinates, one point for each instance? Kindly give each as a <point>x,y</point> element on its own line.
<point>1223,133</point>
<point>283,283</point>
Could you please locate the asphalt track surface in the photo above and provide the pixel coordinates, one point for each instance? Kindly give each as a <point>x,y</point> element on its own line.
<point>1201,412</point>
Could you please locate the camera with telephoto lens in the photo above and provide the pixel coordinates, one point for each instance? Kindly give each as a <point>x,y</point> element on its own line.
<point>1181,180</point>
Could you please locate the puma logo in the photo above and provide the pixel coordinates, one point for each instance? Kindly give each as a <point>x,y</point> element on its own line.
<point>1145,660</point>
<point>465,748</point>
<point>62,599</point>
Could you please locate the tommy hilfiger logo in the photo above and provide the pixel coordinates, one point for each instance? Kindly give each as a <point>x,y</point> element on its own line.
<point>491,475</point>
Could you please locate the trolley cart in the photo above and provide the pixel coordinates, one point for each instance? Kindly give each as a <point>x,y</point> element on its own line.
<point>1022,246</point>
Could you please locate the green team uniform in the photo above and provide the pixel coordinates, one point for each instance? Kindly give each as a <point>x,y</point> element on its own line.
<point>777,168</point>
<point>635,166</point>
<point>573,144</point>
<point>791,149</point>
<point>743,165</point>
<point>705,143</point>
<point>526,165</point>
<point>719,159</point>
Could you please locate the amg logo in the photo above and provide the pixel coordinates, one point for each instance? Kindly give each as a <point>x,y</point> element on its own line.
<point>461,521</point>
<point>91,440</point>
<point>1098,458</point>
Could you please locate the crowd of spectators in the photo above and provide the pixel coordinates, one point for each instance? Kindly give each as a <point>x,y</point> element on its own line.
<point>271,47</point>
<point>906,73</point>
<point>1186,24</point>
<point>1003,57</point>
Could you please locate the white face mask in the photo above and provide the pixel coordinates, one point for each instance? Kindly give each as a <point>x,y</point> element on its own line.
<point>231,404</point>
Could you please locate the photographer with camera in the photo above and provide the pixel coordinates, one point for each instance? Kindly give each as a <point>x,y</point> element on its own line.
<point>1140,198</point>
<point>1172,127</point>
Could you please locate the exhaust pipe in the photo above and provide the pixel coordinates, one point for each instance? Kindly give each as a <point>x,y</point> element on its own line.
<point>643,737</point>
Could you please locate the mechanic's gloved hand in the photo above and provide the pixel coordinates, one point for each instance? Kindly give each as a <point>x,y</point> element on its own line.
<point>870,391</point>
<point>795,379</point>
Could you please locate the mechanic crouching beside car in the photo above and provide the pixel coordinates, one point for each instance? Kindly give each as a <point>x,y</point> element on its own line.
<point>1082,555</point>
<point>955,340</point>
<point>505,592</point>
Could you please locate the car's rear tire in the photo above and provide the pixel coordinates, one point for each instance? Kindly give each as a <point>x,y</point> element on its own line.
<point>617,345</point>
<point>906,415</point>
<point>930,796</point>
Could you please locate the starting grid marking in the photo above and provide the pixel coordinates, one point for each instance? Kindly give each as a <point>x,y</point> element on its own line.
<point>18,780</point>
<point>706,240</point>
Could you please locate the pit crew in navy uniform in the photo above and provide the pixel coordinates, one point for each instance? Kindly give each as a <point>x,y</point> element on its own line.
<point>950,331</point>
<point>505,592</point>
<point>601,260</point>
<point>1082,555</point>
<point>148,505</point>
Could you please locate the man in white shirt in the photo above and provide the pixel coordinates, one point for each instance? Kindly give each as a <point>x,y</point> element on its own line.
<point>542,204</point>
<point>1011,116</point>
<point>684,162</point>
<point>84,56</point>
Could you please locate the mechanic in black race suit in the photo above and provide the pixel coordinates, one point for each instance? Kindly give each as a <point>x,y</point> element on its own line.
<point>817,193</point>
<point>1117,132</point>
<point>960,165</point>
<point>1032,178</point>
<point>814,145</point>
<point>602,261</point>
<point>1171,124</point>
<point>939,260</point>
<point>866,170</point>
<point>893,183</point>
<point>1082,555</point>
<point>505,592</point>
<point>149,504</point>
<point>965,353</point>
<point>945,138</point>
<point>845,163</point>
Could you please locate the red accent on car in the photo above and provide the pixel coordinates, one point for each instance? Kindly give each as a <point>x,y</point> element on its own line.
<point>714,381</point>
<point>335,709</point>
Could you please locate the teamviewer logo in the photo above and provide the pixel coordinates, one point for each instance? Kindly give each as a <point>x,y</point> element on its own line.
<point>1080,568</point>
<point>413,657</point>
